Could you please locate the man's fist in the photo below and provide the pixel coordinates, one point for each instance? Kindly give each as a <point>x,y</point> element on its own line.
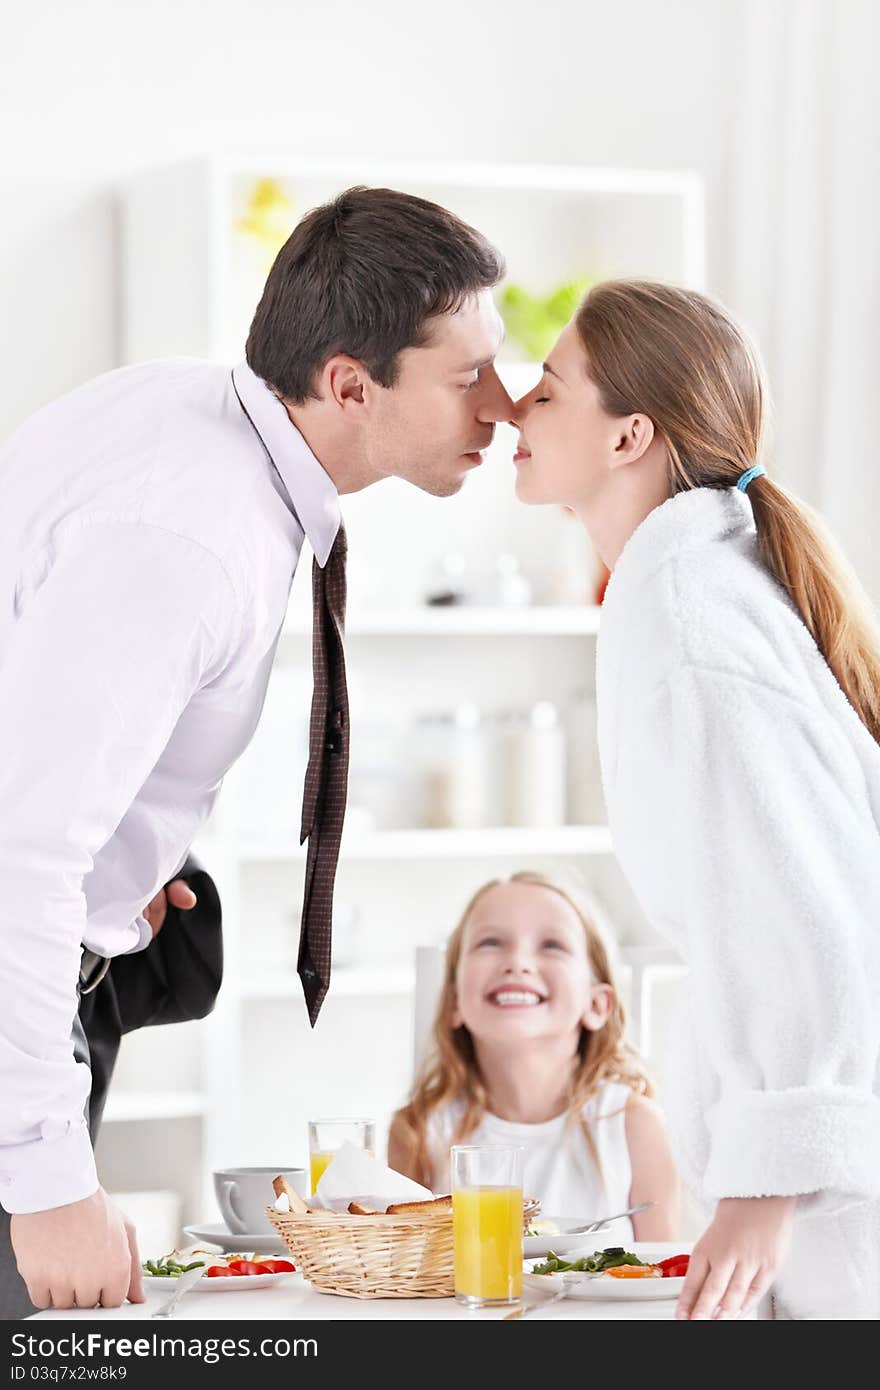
<point>79,1255</point>
<point>178,893</point>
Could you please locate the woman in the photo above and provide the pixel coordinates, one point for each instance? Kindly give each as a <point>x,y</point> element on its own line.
<point>738,685</point>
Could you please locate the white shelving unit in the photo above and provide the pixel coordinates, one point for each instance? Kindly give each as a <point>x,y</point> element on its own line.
<point>154,1105</point>
<point>240,1086</point>
<point>491,842</point>
<point>466,621</point>
<point>379,983</point>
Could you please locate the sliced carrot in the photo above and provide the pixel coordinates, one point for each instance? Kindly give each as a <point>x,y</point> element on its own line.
<point>635,1272</point>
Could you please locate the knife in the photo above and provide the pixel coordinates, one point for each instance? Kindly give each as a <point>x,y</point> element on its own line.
<point>185,1282</point>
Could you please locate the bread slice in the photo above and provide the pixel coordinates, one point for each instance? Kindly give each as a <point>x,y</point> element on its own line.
<point>280,1184</point>
<point>440,1206</point>
<point>358,1209</point>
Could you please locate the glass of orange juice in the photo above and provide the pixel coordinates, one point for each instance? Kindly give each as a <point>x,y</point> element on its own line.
<point>326,1136</point>
<point>487,1224</point>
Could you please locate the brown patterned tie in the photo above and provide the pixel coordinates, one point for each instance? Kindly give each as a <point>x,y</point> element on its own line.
<point>326,775</point>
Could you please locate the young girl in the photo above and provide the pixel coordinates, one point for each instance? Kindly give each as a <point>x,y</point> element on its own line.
<point>738,691</point>
<point>529,1049</point>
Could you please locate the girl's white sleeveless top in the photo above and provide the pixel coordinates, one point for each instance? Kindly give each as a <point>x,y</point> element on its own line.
<point>558,1166</point>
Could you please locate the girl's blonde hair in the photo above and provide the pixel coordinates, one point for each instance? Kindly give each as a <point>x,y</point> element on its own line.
<point>678,357</point>
<point>451,1072</point>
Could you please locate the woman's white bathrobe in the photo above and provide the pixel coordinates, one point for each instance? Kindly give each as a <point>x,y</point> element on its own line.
<point>743,795</point>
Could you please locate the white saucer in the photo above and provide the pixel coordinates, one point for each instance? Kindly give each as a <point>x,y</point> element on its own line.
<point>219,1234</point>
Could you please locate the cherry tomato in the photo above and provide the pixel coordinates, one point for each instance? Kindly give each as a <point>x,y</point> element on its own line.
<point>246,1267</point>
<point>276,1267</point>
<point>218,1272</point>
<point>675,1267</point>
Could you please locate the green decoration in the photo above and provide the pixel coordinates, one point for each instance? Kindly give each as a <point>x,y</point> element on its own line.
<point>535,321</point>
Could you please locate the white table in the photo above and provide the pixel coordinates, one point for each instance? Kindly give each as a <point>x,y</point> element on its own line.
<point>294,1298</point>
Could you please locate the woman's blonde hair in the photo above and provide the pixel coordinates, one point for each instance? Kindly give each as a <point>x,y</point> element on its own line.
<point>678,357</point>
<point>451,1072</point>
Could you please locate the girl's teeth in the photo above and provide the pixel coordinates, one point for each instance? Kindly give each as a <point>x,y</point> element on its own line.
<point>516,997</point>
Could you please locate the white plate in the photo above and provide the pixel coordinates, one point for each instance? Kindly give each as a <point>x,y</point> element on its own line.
<point>218,1233</point>
<point>605,1286</point>
<point>560,1244</point>
<point>220,1284</point>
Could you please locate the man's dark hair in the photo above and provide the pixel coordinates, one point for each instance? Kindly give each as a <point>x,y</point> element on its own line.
<point>363,275</point>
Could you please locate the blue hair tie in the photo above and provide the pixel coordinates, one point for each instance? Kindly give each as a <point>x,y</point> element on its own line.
<point>745,478</point>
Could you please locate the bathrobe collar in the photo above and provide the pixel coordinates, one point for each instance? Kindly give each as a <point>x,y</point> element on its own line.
<point>688,520</point>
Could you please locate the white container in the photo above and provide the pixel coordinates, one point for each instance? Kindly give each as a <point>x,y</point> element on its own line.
<point>499,729</point>
<point>536,769</point>
<point>455,762</point>
<point>513,589</point>
<point>586,803</point>
<point>432,741</point>
<point>380,782</point>
<point>468,771</point>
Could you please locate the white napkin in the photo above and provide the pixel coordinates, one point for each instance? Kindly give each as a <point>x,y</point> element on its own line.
<point>354,1176</point>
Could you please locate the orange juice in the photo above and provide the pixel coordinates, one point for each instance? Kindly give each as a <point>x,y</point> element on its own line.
<point>488,1231</point>
<point>317,1163</point>
<point>322,1159</point>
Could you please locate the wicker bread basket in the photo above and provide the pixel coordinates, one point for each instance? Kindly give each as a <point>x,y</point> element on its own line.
<point>385,1256</point>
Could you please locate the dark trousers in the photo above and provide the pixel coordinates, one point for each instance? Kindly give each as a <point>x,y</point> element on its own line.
<point>175,979</point>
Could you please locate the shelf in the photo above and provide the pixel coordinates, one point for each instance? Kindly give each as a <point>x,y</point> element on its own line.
<point>554,225</point>
<point>527,178</point>
<point>153,1105</point>
<point>463,621</point>
<point>377,981</point>
<point>444,844</point>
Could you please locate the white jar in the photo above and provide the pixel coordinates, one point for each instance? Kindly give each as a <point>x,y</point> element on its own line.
<point>456,769</point>
<point>586,803</point>
<point>536,769</point>
<point>468,770</point>
<point>511,588</point>
<point>431,756</point>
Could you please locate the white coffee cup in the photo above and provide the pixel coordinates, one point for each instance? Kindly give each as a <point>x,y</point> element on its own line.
<point>243,1194</point>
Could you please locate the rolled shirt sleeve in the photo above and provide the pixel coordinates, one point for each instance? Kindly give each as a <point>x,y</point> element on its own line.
<point>127,626</point>
<point>774,842</point>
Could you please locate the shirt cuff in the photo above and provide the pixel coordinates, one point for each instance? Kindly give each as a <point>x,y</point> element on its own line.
<point>818,1143</point>
<point>48,1173</point>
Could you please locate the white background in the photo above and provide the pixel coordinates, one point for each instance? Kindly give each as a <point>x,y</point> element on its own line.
<point>773,102</point>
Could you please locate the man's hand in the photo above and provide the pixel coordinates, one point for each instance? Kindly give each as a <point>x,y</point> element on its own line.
<point>178,893</point>
<point>736,1260</point>
<point>79,1255</point>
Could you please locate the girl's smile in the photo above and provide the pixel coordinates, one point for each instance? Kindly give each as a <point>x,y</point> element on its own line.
<point>510,997</point>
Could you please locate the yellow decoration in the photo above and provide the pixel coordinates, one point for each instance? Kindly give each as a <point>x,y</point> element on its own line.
<point>268,218</point>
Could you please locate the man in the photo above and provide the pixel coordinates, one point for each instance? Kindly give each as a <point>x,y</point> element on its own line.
<point>151,527</point>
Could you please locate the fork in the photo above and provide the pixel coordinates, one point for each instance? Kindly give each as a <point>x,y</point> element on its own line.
<point>606,1220</point>
<point>185,1282</point>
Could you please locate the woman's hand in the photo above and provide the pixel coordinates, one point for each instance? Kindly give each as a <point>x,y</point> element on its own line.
<point>736,1260</point>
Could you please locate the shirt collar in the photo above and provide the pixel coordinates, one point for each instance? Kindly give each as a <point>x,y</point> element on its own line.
<point>689,520</point>
<point>313,497</point>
